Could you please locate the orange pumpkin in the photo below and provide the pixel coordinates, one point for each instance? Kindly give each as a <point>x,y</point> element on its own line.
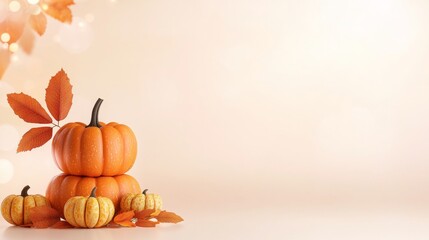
<point>96,149</point>
<point>63,187</point>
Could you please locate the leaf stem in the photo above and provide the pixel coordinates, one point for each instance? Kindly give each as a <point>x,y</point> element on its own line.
<point>57,125</point>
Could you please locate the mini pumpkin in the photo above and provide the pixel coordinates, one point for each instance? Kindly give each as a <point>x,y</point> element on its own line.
<point>141,201</point>
<point>16,208</point>
<point>96,149</point>
<point>89,212</point>
<point>63,186</point>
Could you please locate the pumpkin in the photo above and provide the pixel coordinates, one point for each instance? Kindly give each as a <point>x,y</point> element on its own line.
<point>89,212</point>
<point>96,149</point>
<point>63,186</point>
<point>16,208</point>
<point>140,201</point>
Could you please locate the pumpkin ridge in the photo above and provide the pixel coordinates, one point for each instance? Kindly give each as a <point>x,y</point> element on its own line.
<point>10,210</point>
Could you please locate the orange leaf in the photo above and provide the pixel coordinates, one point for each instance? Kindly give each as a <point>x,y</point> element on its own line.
<point>28,108</point>
<point>62,225</point>
<point>44,216</point>
<point>124,219</point>
<point>144,214</point>
<point>146,223</point>
<point>59,95</point>
<point>26,42</point>
<point>34,138</point>
<point>168,217</point>
<point>14,25</point>
<point>58,9</point>
<point>38,23</point>
<point>4,61</point>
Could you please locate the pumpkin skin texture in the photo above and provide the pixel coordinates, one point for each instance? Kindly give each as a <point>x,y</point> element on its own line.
<point>140,201</point>
<point>89,212</point>
<point>63,187</point>
<point>96,149</point>
<point>16,208</point>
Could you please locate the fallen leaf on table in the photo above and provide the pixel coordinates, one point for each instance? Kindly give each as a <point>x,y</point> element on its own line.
<point>124,219</point>
<point>44,216</point>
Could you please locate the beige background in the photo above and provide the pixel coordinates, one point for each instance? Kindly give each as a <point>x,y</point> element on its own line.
<point>255,119</point>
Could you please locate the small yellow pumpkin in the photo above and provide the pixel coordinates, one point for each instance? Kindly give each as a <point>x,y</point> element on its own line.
<point>89,212</point>
<point>16,208</point>
<point>140,201</point>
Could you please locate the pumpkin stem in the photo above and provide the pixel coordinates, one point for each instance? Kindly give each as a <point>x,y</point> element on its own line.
<point>24,191</point>
<point>144,192</point>
<point>93,192</point>
<point>94,117</point>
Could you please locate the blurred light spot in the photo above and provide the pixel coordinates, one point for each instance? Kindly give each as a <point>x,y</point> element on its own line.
<point>10,138</point>
<point>33,2</point>
<point>45,6</point>
<point>76,37</point>
<point>89,18</point>
<point>6,171</point>
<point>15,58</point>
<point>14,6</point>
<point>13,47</point>
<point>5,37</point>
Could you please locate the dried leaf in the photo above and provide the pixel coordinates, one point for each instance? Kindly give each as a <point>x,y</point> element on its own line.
<point>146,223</point>
<point>26,42</point>
<point>58,9</point>
<point>34,138</point>
<point>38,23</point>
<point>28,108</point>
<point>4,61</point>
<point>62,225</point>
<point>59,95</point>
<point>44,216</point>
<point>144,214</point>
<point>124,219</point>
<point>168,217</point>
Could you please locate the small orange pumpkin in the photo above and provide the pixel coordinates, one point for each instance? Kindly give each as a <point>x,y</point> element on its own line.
<point>16,208</point>
<point>63,187</point>
<point>96,149</point>
<point>89,212</point>
<point>140,201</point>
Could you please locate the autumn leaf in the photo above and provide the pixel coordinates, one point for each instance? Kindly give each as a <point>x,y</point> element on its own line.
<point>4,61</point>
<point>59,95</point>
<point>124,219</point>
<point>62,225</point>
<point>28,108</point>
<point>146,223</point>
<point>38,23</point>
<point>44,216</point>
<point>144,214</point>
<point>26,42</point>
<point>168,217</point>
<point>34,138</point>
<point>58,9</point>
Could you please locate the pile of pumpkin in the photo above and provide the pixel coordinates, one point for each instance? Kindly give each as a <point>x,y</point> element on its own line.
<point>93,186</point>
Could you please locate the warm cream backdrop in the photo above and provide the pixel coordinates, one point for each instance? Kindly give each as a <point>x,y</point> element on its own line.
<point>243,107</point>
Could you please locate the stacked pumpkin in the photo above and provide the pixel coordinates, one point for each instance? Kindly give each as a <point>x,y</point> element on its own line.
<point>94,159</point>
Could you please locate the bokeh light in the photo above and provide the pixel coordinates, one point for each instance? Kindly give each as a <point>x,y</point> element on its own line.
<point>13,47</point>
<point>10,138</point>
<point>5,37</point>
<point>14,6</point>
<point>6,171</point>
<point>33,2</point>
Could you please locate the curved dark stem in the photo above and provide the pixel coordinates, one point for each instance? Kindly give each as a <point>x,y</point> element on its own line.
<point>24,191</point>
<point>93,192</point>
<point>144,192</point>
<point>94,117</point>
